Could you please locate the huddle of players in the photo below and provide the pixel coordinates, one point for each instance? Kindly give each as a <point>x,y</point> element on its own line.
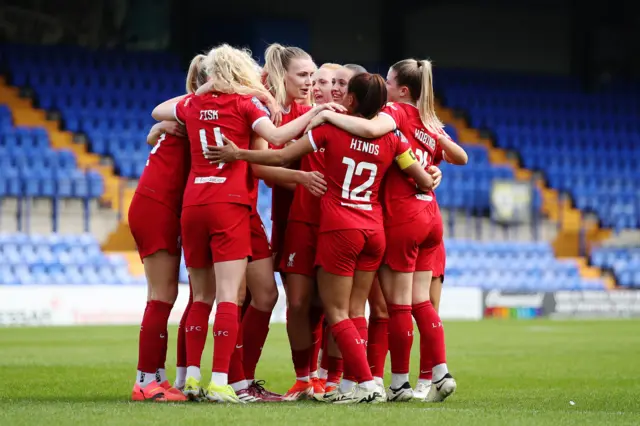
<point>341,233</point>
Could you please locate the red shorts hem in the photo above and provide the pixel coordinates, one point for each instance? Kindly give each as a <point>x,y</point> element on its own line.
<point>299,253</point>
<point>260,247</point>
<point>154,227</point>
<point>342,252</point>
<point>214,233</point>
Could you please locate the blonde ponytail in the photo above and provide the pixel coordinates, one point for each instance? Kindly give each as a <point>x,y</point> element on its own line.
<point>197,75</point>
<point>233,70</point>
<point>275,72</point>
<point>417,76</point>
<point>426,100</point>
<point>276,63</point>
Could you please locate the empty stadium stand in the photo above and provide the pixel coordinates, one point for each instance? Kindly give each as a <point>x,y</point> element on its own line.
<point>104,98</point>
<point>585,144</point>
<point>60,259</point>
<point>624,262</point>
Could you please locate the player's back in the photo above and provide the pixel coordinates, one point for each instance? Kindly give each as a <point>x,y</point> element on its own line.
<point>354,169</point>
<point>166,171</point>
<point>401,197</point>
<point>207,118</point>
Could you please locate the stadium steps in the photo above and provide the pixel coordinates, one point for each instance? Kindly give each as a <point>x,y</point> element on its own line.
<point>25,114</point>
<point>589,272</point>
<point>561,211</point>
<point>136,268</point>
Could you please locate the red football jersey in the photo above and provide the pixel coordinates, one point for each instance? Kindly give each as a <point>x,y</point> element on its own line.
<point>401,197</point>
<point>165,174</point>
<point>282,198</point>
<point>253,183</point>
<point>207,118</point>
<point>354,169</point>
<point>306,206</point>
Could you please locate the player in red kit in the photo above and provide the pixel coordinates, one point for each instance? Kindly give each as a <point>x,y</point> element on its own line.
<point>351,238</point>
<point>323,80</point>
<point>154,219</point>
<point>406,277</point>
<point>261,283</point>
<point>288,75</point>
<point>217,207</point>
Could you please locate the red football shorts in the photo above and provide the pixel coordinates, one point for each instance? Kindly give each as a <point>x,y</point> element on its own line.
<point>278,232</point>
<point>154,226</point>
<point>440,261</point>
<point>217,232</point>
<point>412,246</point>
<point>260,247</point>
<point>345,251</point>
<point>299,254</point>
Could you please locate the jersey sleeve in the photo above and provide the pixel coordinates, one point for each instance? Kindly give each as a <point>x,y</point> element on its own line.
<point>181,109</point>
<point>318,136</point>
<point>403,153</point>
<point>254,111</point>
<point>395,113</point>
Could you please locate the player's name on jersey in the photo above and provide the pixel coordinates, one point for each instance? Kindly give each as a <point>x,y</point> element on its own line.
<point>363,146</point>
<point>424,137</point>
<point>208,114</point>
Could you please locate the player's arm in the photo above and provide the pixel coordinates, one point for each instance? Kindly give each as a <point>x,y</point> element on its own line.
<point>165,111</point>
<point>408,164</point>
<point>287,178</point>
<point>229,152</point>
<point>376,127</point>
<point>452,152</point>
<point>280,135</point>
<point>171,127</point>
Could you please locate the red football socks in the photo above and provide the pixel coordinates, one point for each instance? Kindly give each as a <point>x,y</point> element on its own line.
<point>353,351</point>
<point>196,329</point>
<point>255,328</point>
<point>225,336</point>
<point>181,356</point>
<point>432,345</point>
<point>153,335</point>
<point>236,367</point>
<point>378,345</point>
<point>400,337</point>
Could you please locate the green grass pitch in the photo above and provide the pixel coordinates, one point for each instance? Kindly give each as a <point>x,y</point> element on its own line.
<point>509,372</point>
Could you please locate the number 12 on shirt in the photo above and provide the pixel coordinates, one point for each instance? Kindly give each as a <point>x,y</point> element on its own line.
<point>217,136</point>
<point>357,169</point>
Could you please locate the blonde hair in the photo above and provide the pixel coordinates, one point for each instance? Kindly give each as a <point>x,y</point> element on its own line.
<point>277,59</point>
<point>197,75</point>
<point>233,70</point>
<point>417,75</point>
<point>330,66</point>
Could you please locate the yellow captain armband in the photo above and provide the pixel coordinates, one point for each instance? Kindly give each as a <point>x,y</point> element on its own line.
<point>406,159</point>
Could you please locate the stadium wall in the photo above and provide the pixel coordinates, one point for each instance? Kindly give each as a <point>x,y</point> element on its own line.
<point>119,305</point>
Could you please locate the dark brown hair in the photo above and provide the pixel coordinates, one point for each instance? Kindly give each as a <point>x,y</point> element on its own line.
<point>370,93</point>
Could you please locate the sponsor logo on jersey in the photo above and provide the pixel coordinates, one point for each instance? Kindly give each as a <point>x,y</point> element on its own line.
<point>210,179</point>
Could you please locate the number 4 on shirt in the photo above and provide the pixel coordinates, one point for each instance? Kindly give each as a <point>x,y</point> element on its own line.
<point>217,136</point>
